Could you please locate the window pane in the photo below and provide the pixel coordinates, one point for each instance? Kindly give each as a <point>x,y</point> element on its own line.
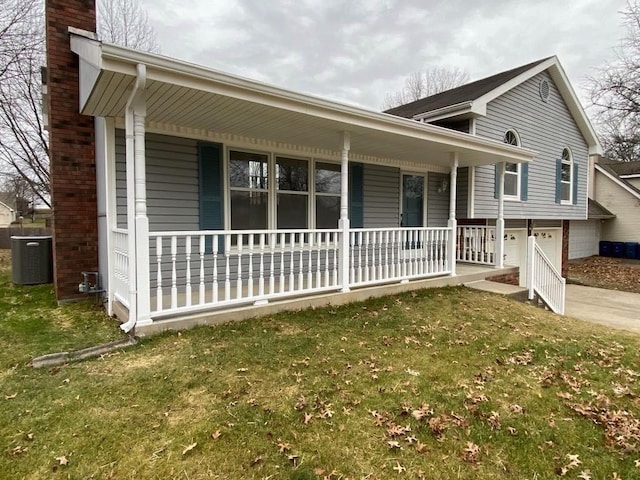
<point>566,172</point>
<point>248,170</point>
<point>511,184</point>
<point>327,178</point>
<point>292,174</point>
<point>327,212</point>
<point>566,191</point>
<point>511,167</point>
<point>292,210</point>
<point>249,210</point>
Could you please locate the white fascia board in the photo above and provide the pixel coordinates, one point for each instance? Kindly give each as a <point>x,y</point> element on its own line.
<point>616,180</point>
<point>177,72</point>
<point>472,108</point>
<point>631,175</point>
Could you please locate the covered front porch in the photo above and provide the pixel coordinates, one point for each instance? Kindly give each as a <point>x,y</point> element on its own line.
<point>184,146</point>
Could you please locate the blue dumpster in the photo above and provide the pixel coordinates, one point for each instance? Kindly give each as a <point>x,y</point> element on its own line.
<point>638,252</point>
<point>605,249</point>
<point>630,249</point>
<point>617,249</point>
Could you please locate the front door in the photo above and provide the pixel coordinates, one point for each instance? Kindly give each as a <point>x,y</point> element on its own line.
<point>412,200</point>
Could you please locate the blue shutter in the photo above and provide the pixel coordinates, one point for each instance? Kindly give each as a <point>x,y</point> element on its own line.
<point>558,181</point>
<point>496,178</point>
<point>356,195</point>
<point>574,200</point>
<point>524,182</point>
<point>211,190</point>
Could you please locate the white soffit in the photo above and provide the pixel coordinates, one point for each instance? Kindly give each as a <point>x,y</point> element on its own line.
<point>192,96</point>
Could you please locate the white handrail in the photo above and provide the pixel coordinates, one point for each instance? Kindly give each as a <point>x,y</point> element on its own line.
<point>544,279</point>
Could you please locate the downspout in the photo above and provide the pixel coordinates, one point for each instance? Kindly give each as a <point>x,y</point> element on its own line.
<point>131,160</point>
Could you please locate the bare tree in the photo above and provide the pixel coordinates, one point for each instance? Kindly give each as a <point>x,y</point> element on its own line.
<point>615,93</point>
<point>126,23</point>
<point>423,84</point>
<point>23,141</point>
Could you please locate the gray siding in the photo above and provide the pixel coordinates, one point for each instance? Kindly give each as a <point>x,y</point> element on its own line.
<point>437,202</point>
<point>462,193</point>
<point>381,196</point>
<point>546,128</point>
<point>172,182</point>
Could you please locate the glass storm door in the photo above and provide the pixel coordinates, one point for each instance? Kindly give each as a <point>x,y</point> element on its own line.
<point>412,200</point>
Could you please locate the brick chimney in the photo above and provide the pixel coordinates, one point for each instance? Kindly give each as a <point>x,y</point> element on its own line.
<point>71,150</point>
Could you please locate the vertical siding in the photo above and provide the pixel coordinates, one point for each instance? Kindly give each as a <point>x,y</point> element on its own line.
<point>381,196</point>
<point>546,128</point>
<point>437,202</point>
<point>462,193</point>
<point>172,182</point>
<point>584,238</point>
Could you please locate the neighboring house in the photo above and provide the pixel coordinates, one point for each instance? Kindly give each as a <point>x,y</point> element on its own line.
<point>585,235</point>
<point>535,107</point>
<point>617,188</point>
<point>192,190</point>
<point>7,215</point>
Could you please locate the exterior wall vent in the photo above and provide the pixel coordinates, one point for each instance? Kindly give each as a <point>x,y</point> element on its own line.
<point>545,90</point>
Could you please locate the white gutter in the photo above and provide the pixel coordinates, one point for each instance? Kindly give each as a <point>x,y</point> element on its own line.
<point>131,160</point>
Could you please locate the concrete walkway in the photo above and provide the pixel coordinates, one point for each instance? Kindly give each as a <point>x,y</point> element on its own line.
<point>607,307</point>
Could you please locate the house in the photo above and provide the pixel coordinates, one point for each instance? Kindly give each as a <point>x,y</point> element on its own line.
<point>617,188</point>
<point>535,107</point>
<point>190,190</point>
<point>7,215</point>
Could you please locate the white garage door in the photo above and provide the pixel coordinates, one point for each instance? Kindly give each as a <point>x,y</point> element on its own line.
<point>515,248</point>
<point>584,238</point>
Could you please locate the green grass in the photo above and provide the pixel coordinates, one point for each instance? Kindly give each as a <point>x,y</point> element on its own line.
<point>447,383</point>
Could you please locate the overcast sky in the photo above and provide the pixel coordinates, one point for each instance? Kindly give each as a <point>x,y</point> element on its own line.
<point>356,51</point>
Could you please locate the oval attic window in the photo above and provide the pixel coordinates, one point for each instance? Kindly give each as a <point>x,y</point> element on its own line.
<point>545,90</point>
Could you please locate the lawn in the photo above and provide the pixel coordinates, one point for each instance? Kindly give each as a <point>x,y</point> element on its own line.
<point>443,383</point>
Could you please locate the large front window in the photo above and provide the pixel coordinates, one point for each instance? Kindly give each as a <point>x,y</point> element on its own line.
<point>274,191</point>
<point>249,186</point>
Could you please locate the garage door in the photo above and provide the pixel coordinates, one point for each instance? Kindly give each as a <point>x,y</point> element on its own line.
<point>515,248</point>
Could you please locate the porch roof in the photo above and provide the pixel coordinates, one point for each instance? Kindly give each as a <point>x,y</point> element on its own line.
<point>181,95</point>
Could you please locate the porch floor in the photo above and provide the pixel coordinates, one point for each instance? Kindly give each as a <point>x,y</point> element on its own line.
<point>465,273</point>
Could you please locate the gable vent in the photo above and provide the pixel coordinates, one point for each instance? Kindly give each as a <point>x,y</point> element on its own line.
<point>545,90</point>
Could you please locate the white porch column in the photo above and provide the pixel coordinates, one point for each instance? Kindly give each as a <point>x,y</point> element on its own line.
<point>137,221</point>
<point>452,223</point>
<point>500,220</point>
<point>141,219</point>
<point>343,223</point>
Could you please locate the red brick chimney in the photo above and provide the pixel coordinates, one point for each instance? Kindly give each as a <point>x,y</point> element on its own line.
<point>71,150</point>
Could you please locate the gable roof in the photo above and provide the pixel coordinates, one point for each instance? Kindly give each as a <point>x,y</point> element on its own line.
<point>471,99</point>
<point>611,174</point>
<point>463,93</point>
<point>595,211</point>
<point>623,169</point>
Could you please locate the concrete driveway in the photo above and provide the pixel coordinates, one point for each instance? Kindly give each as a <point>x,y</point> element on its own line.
<point>607,307</point>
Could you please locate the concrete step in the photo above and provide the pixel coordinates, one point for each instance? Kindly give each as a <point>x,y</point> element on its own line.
<point>514,291</point>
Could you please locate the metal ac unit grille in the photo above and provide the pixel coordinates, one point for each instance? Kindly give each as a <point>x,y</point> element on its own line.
<point>31,260</point>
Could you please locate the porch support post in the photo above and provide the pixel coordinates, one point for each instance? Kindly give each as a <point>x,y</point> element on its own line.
<point>136,112</point>
<point>453,224</point>
<point>343,223</point>
<point>500,220</point>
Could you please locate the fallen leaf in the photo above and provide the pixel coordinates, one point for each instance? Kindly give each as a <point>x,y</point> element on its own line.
<point>399,468</point>
<point>11,397</point>
<point>216,435</point>
<point>256,461</point>
<point>585,475</point>
<point>62,460</point>
<point>188,448</point>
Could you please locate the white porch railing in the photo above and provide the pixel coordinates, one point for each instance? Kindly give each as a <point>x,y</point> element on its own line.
<point>191,270</point>
<point>476,244</point>
<point>543,278</point>
<point>380,255</point>
<point>121,265</point>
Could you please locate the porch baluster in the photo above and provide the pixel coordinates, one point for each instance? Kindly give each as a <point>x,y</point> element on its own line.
<point>159,281</point>
<point>272,247</point>
<point>201,298</point>
<point>250,267</point>
<point>174,287</point>
<point>240,239</point>
<point>227,267</point>
<point>291,262</point>
<point>187,246</point>
<point>214,254</point>
<point>261,279</point>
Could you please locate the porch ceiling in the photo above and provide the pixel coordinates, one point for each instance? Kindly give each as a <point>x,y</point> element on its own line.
<point>192,97</point>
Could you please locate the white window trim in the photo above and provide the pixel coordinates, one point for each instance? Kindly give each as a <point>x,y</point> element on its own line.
<point>571,164</point>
